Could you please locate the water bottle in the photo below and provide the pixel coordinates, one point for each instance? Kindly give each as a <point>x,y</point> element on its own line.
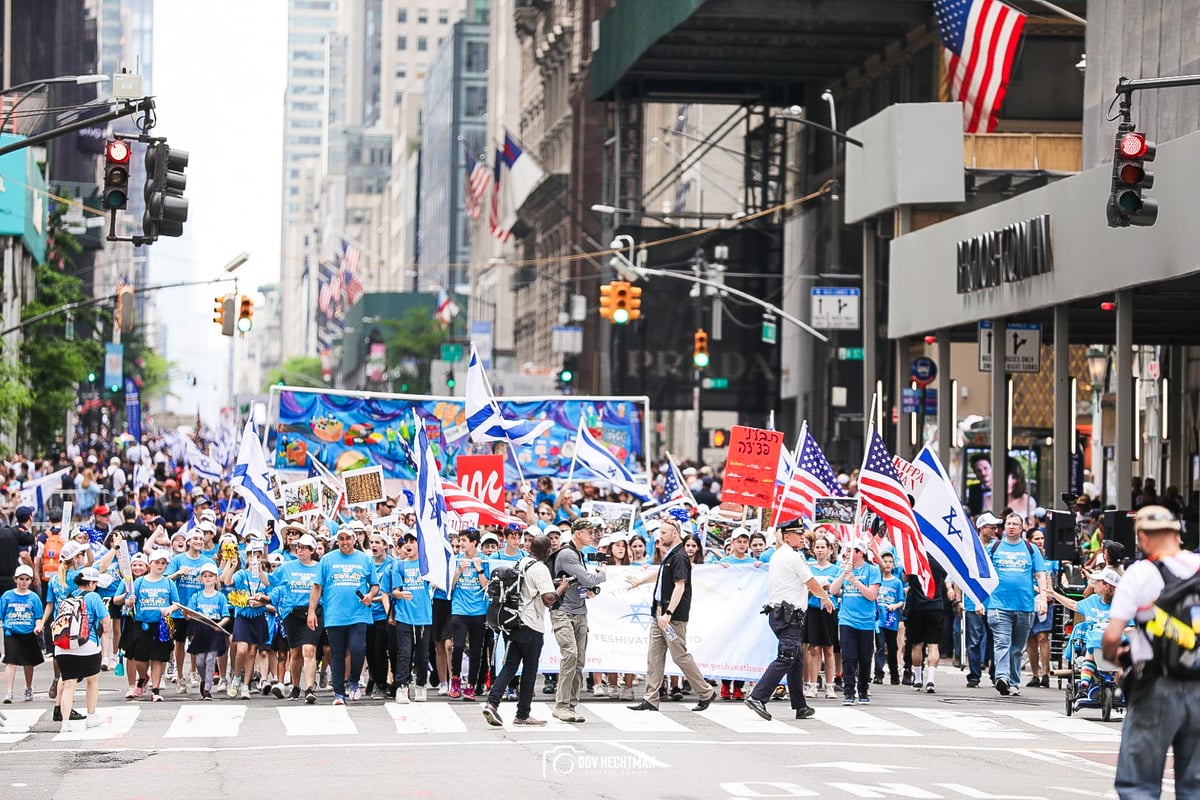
<point>671,634</point>
<point>119,670</point>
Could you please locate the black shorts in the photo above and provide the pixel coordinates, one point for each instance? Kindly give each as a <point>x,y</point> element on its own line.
<point>924,627</point>
<point>179,628</point>
<point>77,668</point>
<point>147,647</point>
<point>441,620</point>
<point>251,630</point>
<point>295,625</point>
<point>22,649</point>
<point>820,627</point>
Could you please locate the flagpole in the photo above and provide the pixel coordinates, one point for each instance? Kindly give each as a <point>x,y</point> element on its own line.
<point>574,454</point>
<point>520,475</point>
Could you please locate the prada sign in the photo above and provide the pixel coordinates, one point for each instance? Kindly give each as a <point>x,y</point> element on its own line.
<point>1010,254</point>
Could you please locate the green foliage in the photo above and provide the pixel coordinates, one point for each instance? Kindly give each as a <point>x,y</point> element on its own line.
<point>15,397</point>
<point>415,337</point>
<point>149,369</point>
<point>297,371</point>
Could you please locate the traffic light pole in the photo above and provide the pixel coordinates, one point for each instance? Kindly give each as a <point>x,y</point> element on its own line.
<point>124,109</point>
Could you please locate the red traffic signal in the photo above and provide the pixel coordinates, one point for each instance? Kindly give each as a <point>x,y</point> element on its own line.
<point>116,175</point>
<point>1127,204</point>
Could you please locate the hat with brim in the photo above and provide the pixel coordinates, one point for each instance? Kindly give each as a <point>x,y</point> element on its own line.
<point>1155,519</point>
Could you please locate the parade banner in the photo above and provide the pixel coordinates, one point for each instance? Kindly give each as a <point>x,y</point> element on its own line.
<point>352,430</point>
<point>483,477</point>
<point>726,634</point>
<point>751,466</point>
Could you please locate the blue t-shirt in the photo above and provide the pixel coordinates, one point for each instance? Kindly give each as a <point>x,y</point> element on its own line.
<point>343,577</point>
<point>825,576</point>
<point>857,611</point>
<point>56,588</point>
<point>189,578</point>
<point>151,597</point>
<point>406,575</point>
<point>500,555</point>
<point>891,591</point>
<point>732,559</point>
<point>292,585</point>
<point>215,607</point>
<point>96,611</point>
<point>1096,614</point>
<point>1015,566</point>
<point>378,611</point>
<point>766,557</point>
<point>245,581</point>
<point>20,612</point>
<point>468,598</point>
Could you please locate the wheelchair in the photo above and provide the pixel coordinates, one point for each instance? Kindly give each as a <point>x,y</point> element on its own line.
<point>1105,693</point>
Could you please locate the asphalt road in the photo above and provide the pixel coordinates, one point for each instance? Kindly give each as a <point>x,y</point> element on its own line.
<point>958,743</point>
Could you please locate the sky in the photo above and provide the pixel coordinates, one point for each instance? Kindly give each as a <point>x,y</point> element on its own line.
<point>219,73</point>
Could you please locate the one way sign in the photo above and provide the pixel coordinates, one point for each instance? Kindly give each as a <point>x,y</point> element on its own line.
<point>1022,347</point>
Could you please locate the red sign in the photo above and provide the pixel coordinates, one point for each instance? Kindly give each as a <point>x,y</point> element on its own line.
<point>751,465</point>
<point>483,477</point>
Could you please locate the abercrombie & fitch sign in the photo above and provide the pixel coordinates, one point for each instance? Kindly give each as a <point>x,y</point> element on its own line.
<point>1010,254</point>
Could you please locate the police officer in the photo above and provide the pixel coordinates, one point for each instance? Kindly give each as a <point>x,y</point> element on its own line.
<point>1164,701</point>
<point>789,582</point>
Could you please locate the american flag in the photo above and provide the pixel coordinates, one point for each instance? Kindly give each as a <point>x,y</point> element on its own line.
<point>328,291</point>
<point>880,489</point>
<point>351,260</point>
<point>479,180</point>
<point>980,39</point>
<point>674,487</point>
<point>462,503</point>
<point>812,477</point>
<point>494,224</point>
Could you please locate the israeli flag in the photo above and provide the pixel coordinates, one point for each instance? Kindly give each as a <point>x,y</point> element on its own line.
<point>434,553</point>
<point>251,476</point>
<point>205,466</point>
<point>948,531</point>
<point>484,420</point>
<point>604,465</point>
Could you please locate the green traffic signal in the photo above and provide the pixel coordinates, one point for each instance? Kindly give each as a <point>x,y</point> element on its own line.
<point>620,317</point>
<point>700,360</point>
<point>404,387</point>
<point>91,377</point>
<point>115,388</point>
<point>566,376</point>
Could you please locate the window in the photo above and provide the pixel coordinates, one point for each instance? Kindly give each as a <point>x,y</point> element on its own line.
<point>475,101</point>
<point>401,42</point>
<point>402,15</point>
<point>422,16</point>
<point>443,16</point>
<point>401,70</point>
<point>422,44</point>
<point>477,57</point>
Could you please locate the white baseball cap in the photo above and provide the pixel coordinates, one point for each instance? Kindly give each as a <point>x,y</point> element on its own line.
<point>71,549</point>
<point>160,555</point>
<point>1109,576</point>
<point>306,540</point>
<point>25,570</point>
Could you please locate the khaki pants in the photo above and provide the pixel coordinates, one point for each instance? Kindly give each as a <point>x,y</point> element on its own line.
<point>656,663</point>
<point>570,631</point>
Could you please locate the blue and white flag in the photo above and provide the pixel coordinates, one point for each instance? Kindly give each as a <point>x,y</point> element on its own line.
<point>434,553</point>
<point>34,492</point>
<point>949,534</point>
<point>604,465</point>
<point>484,420</point>
<point>251,476</point>
<point>205,466</point>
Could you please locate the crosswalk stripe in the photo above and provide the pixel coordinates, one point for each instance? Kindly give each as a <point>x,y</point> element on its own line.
<point>419,718</point>
<point>206,721</point>
<point>624,719</point>
<point>977,726</point>
<point>740,719</point>
<point>317,721</point>
<point>117,721</point>
<point>16,726</point>
<point>1074,727</point>
<point>508,713</point>
<point>860,723</point>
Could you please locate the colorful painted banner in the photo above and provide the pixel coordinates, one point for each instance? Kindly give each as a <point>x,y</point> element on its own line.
<point>352,430</point>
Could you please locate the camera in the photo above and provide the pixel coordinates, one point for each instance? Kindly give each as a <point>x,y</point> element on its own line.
<point>1069,498</point>
<point>596,558</point>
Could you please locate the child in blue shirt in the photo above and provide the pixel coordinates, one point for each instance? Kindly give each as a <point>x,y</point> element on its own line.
<point>889,603</point>
<point>208,644</point>
<point>21,616</point>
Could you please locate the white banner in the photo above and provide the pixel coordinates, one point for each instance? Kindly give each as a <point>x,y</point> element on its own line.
<point>726,634</point>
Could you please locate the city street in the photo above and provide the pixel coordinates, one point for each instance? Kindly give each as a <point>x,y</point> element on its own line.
<point>958,743</point>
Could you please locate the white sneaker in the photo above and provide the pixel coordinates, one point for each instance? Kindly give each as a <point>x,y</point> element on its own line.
<point>67,727</point>
<point>355,694</point>
<point>402,694</point>
<point>182,688</point>
<point>194,679</point>
<point>93,721</point>
<point>130,693</point>
<point>627,694</point>
<point>420,694</point>
<point>443,689</point>
<point>244,694</point>
<point>830,693</point>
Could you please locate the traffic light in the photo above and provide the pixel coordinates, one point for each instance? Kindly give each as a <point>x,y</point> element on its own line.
<point>565,379</point>
<point>245,320</point>
<point>718,437</point>
<point>223,314</point>
<point>124,315</point>
<point>606,299</point>
<point>620,302</point>
<point>450,378</point>
<point>635,303</point>
<point>700,357</point>
<point>1126,204</point>
<point>116,175</point>
<point>91,377</point>
<point>166,207</point>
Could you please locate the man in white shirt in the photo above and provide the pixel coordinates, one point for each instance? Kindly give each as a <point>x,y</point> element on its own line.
<point>789,582</point>
<point>1164,708</point>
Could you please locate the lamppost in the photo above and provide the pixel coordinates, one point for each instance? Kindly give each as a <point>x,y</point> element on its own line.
<point>1098,364</point>
<point>32,87</point>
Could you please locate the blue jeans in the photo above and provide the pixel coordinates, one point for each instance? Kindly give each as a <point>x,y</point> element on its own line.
<point>412,653</point>
<point>858,648</point>
<point>1166,715</point>
<point>979,649</point>
<point>343,639</point>
<point>1010,630</point>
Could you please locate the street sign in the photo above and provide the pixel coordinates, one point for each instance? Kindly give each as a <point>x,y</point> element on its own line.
<point>1022,347</point>
<point>923,371</point>
<point>714,383</point>
<point>452,352</point>
<point>835,307</point>
<point>910,401</point>
<point>566,339</point>
<point>850,354</point>
<point>770,331</point>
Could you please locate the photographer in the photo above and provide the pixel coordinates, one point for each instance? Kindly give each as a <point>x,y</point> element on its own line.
<point>569,617</point>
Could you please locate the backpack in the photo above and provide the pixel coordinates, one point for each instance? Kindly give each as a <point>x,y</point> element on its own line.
<point>70,627</point>
<point>504,598</point>
<point>1174,630</point>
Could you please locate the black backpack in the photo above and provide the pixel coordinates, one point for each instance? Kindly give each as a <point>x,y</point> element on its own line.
<point>504,598</point>
<point>1174,630</point>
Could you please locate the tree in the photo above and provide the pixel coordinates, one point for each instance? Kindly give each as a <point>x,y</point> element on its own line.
<point>415,337</point>
<point>296,371</point>
<point>149,370</point>
<point>15,397</point>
